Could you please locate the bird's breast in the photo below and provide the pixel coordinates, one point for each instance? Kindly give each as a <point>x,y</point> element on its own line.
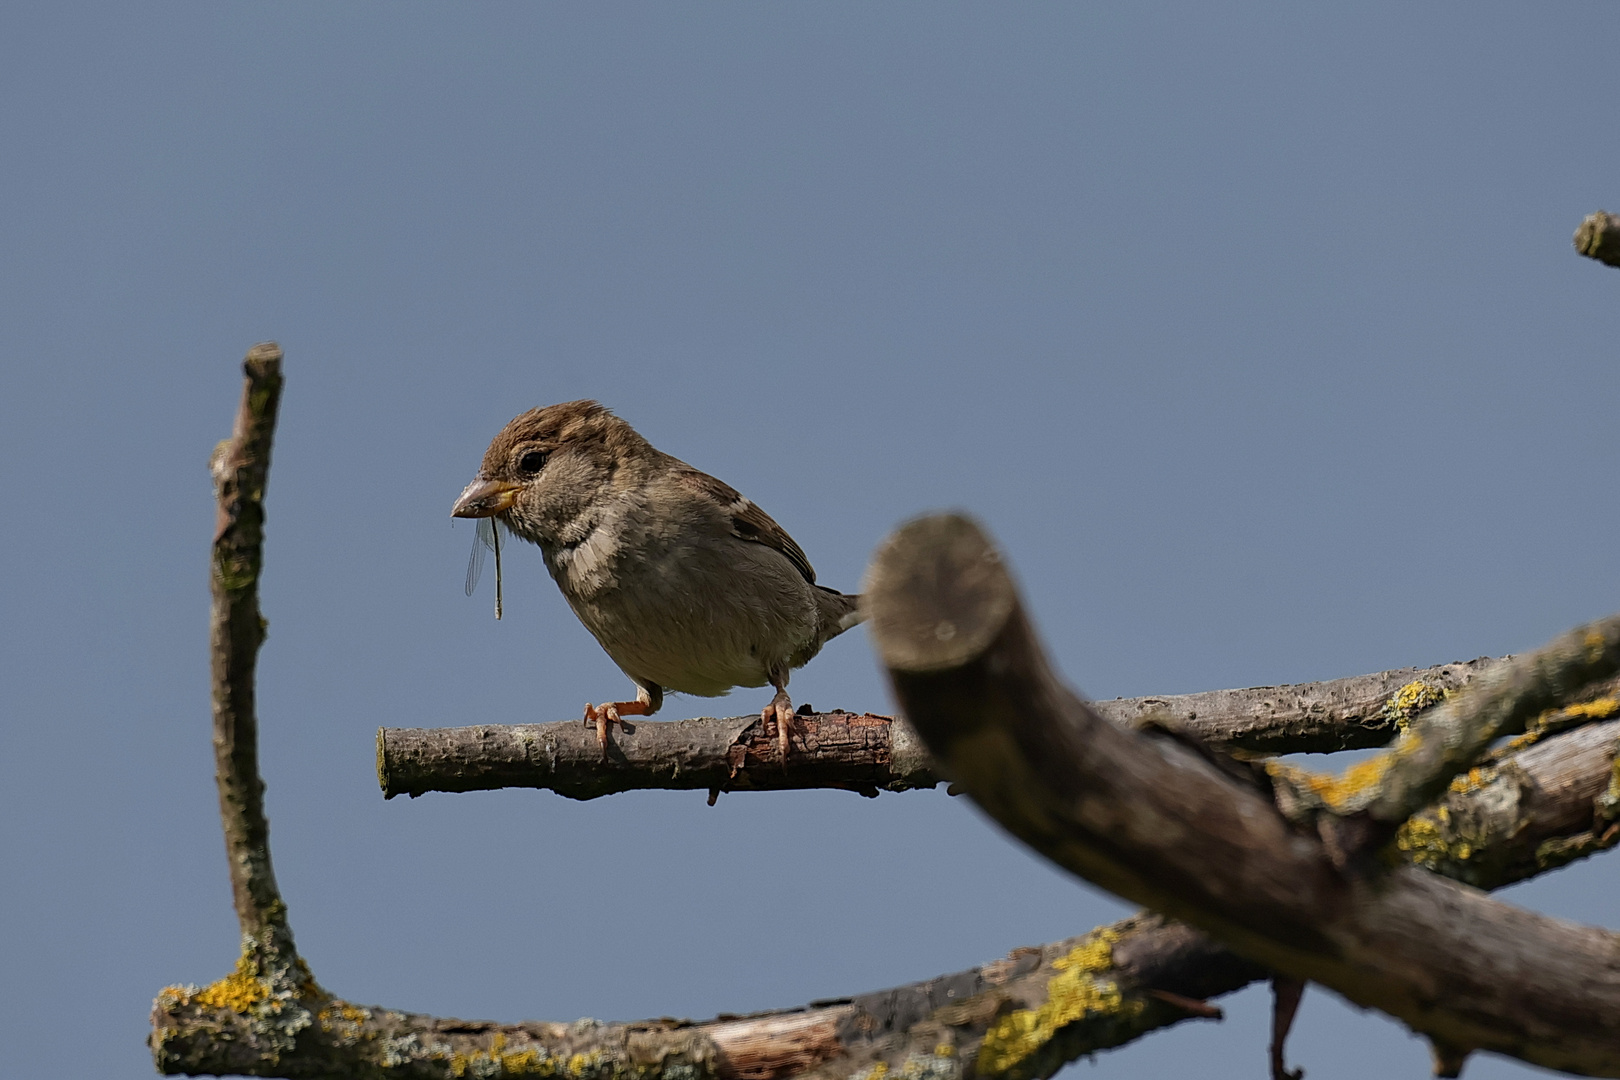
<point>696,618</point>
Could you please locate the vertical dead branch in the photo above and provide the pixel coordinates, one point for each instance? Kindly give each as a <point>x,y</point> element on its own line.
<point>241,467</point>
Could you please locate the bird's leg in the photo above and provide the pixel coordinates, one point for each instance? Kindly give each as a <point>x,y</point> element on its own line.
<point>648,698</point>
<point>781,708</point>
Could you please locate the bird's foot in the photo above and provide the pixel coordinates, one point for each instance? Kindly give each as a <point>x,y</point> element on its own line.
<point>609,713</point>
<point>781,710</point>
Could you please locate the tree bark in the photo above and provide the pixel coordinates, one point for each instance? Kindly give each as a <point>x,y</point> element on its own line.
<point>868,753</point>
<point>1150,819</point>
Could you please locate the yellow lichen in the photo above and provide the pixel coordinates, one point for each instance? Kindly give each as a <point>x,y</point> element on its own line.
<point>1346,792</point>
<point>498,1061</point>
<point>237,992</point>
<point>525,1063</point>
<point>1422,841</point>
<point>1594,646</point>
<point>1425,843</point>
<point>1519,742</point>
<point>1413,698</point>
<point>1074,993</point>
<point>1472,780</point>
<point>944,1050</point>
<point>1600,709</point>
<point>344,1020</point>
<point>1337,791</point>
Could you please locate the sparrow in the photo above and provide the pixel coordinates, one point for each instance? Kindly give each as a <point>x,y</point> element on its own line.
<point>686,584</point>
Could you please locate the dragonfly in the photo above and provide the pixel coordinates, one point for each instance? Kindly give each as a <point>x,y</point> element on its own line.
<point>487,539</point>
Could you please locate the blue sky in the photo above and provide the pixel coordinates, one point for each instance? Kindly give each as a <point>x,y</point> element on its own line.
<point>1252,331</point>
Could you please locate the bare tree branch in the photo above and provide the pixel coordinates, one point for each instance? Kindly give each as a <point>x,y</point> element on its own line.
<point>241,468</point>
<point>1378,794</point>
<point>1598,237</point>
<point>1531,812</point>
<point>1021,1017</point>
<point>869,753</point>
<point>858,751</point>
<point>1151,820</point>
<point>1534,811</point>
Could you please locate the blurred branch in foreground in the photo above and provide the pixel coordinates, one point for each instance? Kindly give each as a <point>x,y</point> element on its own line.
<point>1152,819</point>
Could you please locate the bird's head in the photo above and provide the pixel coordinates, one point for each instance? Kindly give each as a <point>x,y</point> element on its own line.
<point>548,469</point>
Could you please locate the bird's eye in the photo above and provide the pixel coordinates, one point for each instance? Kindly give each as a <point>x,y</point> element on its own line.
<point>532,462</point>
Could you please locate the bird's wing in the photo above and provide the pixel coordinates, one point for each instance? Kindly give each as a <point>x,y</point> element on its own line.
<point>748,521</point>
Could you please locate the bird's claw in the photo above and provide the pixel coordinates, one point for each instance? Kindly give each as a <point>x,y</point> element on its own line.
<point>609,713</point>
<point>781,710</point>
<point>603,716</point>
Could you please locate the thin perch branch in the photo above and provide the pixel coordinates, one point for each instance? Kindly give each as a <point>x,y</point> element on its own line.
<point>859,752</point>
<point>1149,819</point>
<point>868,753</point>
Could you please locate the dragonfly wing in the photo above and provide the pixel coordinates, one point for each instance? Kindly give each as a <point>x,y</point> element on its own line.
<point>482,542</point>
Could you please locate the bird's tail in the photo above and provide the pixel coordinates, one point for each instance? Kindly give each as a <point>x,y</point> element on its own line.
<point>839,611</point>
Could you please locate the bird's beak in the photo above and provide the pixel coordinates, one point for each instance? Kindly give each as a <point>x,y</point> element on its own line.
<point>485,498</point>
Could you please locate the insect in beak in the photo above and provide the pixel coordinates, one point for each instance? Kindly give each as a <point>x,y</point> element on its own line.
<point>489,536</point>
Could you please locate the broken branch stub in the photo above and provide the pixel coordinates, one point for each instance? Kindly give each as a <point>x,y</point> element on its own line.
<point>1149,819</point>
<point>1598,237</point>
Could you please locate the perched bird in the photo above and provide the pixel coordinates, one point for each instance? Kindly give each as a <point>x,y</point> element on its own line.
<point>688,585</point>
